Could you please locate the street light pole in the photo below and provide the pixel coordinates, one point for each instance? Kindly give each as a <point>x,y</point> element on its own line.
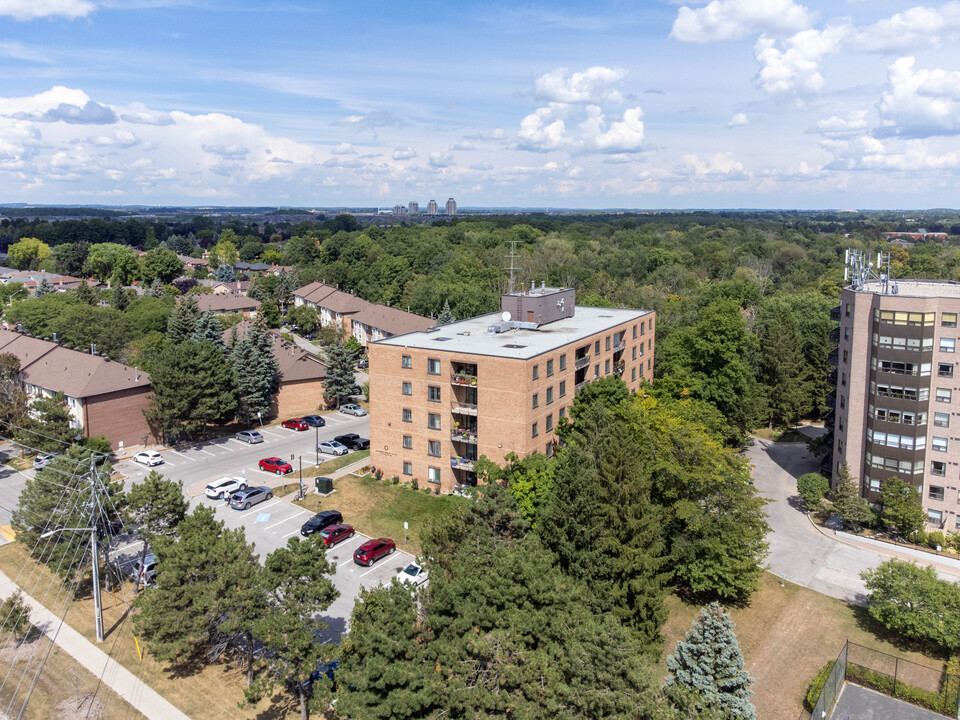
<point>97,608</point>
<point>316,446</point>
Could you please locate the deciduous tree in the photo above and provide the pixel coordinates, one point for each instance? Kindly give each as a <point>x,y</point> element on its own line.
<point>29,254</point>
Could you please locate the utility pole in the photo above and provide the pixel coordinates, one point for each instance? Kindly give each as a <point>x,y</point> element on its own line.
<point>95,549</point>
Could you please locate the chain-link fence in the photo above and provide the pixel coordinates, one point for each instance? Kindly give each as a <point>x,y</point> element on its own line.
<point>832,687</point>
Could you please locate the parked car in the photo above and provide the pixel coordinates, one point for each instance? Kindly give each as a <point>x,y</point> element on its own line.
<point>295,424</point>
<point>332,447</point>
<point>357,390</point>
<point>224,487</point>
<point>363,363</point>
<point>275,465</point>
<point>413,574</point>
<point>145,574</point>
<point>353,409</point>
<point>243,499</point>
<point>353,441</point>
<point>320,521</point>
<point>372,550</point>
<point>42,460</point>
<point>249,436</point>
<point>149,458</point>
<point>314,420</point>
<point>336,533</point>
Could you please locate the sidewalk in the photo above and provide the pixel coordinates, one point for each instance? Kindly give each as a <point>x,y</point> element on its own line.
<point>124,683</point>
<point>335,475</point>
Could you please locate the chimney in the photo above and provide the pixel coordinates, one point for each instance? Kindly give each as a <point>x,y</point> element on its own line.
<point>136,374</point>
<point>55,338</point>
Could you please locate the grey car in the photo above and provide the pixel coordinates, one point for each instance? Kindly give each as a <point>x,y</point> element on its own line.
<point>353,409</point>
<point>243,499</point>
<point>332,447</point>
<point>249,436</point>
<point>147,573</point>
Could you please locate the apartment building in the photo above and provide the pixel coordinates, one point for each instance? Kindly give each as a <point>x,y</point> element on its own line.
<point>897,403</point>
<point>495,384</point>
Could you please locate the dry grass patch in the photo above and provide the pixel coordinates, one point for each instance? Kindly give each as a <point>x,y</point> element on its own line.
<point>787,634</point>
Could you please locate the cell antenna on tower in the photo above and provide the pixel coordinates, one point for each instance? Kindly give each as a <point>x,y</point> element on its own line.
<point>513,267</point>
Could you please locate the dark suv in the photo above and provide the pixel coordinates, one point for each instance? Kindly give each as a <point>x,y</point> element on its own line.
<point>321,520</point>
<point>353,441</point>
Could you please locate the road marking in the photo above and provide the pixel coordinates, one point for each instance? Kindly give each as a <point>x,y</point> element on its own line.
<point>208,453</point>
<point>284,537</point>
<point>372,568</point>
<point>183,456</point>
<point>228,449</point>
<point>267,432</point>
<point>263,517</point>
<point>345,563</point>
<point>242,442</point>
<point>289,518</point>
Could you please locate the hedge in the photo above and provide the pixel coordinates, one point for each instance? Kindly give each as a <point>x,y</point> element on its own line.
<point>816,687</point>
<point>938,702</point>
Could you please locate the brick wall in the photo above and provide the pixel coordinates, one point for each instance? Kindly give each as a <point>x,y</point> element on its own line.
<point>298,398</point>
<point>119,417</point>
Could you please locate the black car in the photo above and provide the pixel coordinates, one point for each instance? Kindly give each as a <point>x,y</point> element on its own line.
<point>315,420</point>
<point>321,520</point>
<point>357,390</point>
<point>353,441</point>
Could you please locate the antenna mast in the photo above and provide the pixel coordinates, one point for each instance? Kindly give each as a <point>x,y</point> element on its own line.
<point>859,270</point>
<point>513,268</point>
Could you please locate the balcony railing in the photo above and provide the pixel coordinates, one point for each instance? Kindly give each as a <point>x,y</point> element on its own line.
<point>835,313</point>
<point>579,386</point>
<point>620,346</point>
<point>462,378</point>
<point>834,335</point>
<point>459,463</point>
<point>460,408</point>
<point>464,436</point>
<point>581,363</point>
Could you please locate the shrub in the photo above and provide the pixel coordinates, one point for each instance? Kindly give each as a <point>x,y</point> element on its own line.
<point>415,484</point>
<point>395,480</point>
<point>812,487</point>
<point>436,491</point>
<point>378,473</point>
<point>936,538</point>
<point>816,687</point>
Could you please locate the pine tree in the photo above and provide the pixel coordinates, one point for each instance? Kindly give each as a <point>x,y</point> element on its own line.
<point>15,615</point>
<point>283,291</point>
<point>155,290</point>
<point>783,370</point>
<point>120,299</point>
<point>183,320</point>
<point>43,287</point>
<point>49,425</point>
<point>208,327</point>
<point>340,378</point>
<point>13,398</point>
<point>86,294</point>
<point>256,369</point>
<point>847,501</point>
<point>709,662</point>
<point>445,317</point>
<point>156,507</point>
<point>225,274</point>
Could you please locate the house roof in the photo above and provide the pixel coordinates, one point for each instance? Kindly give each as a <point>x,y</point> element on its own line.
<point>251,266</point>
<point>293,362</point>
<point>226,303</point>
<point>392,320</point>
<point>77,374</point>
<point>330,298</point>
<point>198,262</point>
<point>234,287</point>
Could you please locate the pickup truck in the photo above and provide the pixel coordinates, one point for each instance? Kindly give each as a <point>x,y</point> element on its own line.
<point>353,441</point>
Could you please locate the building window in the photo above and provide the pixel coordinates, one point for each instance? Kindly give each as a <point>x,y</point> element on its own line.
<point>845,355</point>
<point>649,344</point>
<point>563,388</point>
<point>433,393</point>
<point>648,364</point>
<point>941,419</point>
<point>843,378</point>
<point>948,345</point>
<point>935,517</point>
<point>536,372</point>
<point>549,425</point>
<point>846,310</point>
<point>843,401</point>
<point>948,319</point>
<point>935,492</point>
<point>562,413</point>
<point>874,485</point>
<point>407,389</point>
<point>534,431</point>
<point>846,333</point>
<point>408,442</point>
<point>407,467</point>
<point>634,332</point>
<point>643,329</point>
<point>939,444</point>
<point>433,421</point>
<point>549,396</point>
<point>607,347</point>
<point>650,322</point>
<point>596,348</point>
<point>606,367</point>
<point>433,366</point>
<point>549,368</point>
<point>634,352</point>
<point>938,468</point>
<point>536,401</point>
<point>944,395</point>
<point>433,448</point>
<point>563,362</point>
<point>945,370</point>
<point>596,371</point>
<point>548,451</point>
<point>433,475</point>
<point>407,415</point>
<point>633,374</point>
<point>406,361</point>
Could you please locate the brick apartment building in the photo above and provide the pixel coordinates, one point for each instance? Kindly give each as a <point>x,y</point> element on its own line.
<point>495,384</point>
<point>897,403</point>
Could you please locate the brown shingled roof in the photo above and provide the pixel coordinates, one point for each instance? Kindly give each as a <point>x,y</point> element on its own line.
<point>226,303</point>
<point>334,300</point>
<point>392,320</point>
<point>293,362</point>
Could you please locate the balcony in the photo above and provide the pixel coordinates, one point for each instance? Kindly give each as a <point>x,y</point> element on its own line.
<point>465,379</point>
<point>464,436</point>
<point>832,378</point>
<point>835,313</point>
<point>461,408</point>
<point>579,386</point>
<point>620,346</point>
<point>581,363</point>
<point>459,463</point>
<point>832,357</point>
<point>834,335</point>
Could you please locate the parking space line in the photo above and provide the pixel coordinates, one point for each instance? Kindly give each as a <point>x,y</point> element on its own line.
<point>369,571</point>
<point>242,442</point>
<point>228,449</point>
<point>284,537</point>
<point>208,453</point>
<point>345,563</point>
<point>267,432</point>
<point>183,456</point>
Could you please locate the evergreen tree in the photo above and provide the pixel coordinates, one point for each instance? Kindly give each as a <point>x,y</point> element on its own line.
<point>183,320</point>
<point>847,501</point>
<point>256,368</point>
<point>120,299</point>
<point>445,317</point>
<point>283,291</point>
<point>902,507</point>
<point>13,398</point>
<point>15,616</point>
<point>86,294</point>
<point>48,427</point>
<point>782,368</point>
<point>43,288</point>
<point>156,507</point>
<point>340,378</point>
<point>709,662</point>
<point>225,274</point>
<point>208,327</point>
<point>155,290</point>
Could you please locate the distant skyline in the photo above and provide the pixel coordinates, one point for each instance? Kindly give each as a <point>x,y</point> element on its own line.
<point>656,104</point>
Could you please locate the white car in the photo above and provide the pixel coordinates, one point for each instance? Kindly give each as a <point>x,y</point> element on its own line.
<point>224,487</point>
<point>149,458</point>
<point>41,461</point>
<point>413,574</point>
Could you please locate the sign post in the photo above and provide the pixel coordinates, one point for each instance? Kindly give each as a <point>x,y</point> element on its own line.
<point>406,526</point>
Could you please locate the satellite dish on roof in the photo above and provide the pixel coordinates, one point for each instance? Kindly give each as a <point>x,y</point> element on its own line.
<point>505,316</point>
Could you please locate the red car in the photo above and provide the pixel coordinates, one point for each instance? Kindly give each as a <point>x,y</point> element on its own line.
<point>295,424</point>
<point>334,534</point>
<point>372,550</point>
<point>276,465</point>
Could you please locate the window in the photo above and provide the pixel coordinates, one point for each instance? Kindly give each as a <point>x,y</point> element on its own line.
<point>843,378</point>
<point>948,345</point>
<point>643,329</point>
<point>536,372</point>
<point>548,451</point>
<point>634,332</point>
<point>944,395</point>
<point>433,448</point>
<point>536,401</point>
<point>633,374</point>
<point>534,431</point>
<point>549,422</point>
<point>407,467</point>
<point>562,413</point>
<point>939,444</point>
<point>408,442</point>
<point>549,396</point>
<point>935,492</point>
<point>433,475</point>
<point>606,367</point>
<point>938,468</point>
<point>843,401</point>
<point>596,348</point>
<point>607,347</point>
<point>634,352</point>
<point>563,388</point>
<point>433,393</point>
<point>648,364</point>
<point>845,355</point>
<point>433,421</point>
<point>874,485</point>
<point>846,310</point>
<point>596,370</point>
<point>941,419</point>
<point>433,366</point>
<point>406,362</point>
<point>935,517</point>
<point>846,333</point>
<point>563,362</point>
<point>948,319</point>
<point>407,415</point>
<point>407,389</point>
<point>945,370</point>
<point>549,368</point>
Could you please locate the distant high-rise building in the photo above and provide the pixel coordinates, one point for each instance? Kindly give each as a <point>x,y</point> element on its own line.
<point>432,207</point>
<point>414,207</point>
<point>399,210</point>
<point>451,206</point>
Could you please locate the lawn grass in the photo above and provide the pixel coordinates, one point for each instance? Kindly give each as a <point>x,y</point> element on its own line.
<point>379,509</point>
<point>207,693</point>
<point>336,463</point>
<point>787,634</point>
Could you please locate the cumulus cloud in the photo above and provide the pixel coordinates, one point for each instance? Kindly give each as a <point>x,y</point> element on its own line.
<point>836,126</point>
<point>593,85</point>
<point>441,160</point>
<point>869,153</point>
<point>379,118</point>
<point>404,153</point>
<point>625,135</point>
<point>734,19</point>
<point>540,131</point>
<point>140,115</point>
<point>343,148</point>
<point>227,151</point>
<point>918,27</point>
<point>738,120</point>
<point>463,145</point>
<point>33,9</point>
<point>919,103</point>
<point>796,67</point>
<point>718,165</point>
<point>119,138</point>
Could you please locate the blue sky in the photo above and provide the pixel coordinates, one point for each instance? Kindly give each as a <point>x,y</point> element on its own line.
<point>731,103</point>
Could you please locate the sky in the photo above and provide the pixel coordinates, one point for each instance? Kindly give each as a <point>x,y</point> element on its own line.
<point>641,105</point>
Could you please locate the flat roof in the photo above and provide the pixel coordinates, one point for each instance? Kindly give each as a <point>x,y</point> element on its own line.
<point>915,288</point>
<point>471,337</point>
